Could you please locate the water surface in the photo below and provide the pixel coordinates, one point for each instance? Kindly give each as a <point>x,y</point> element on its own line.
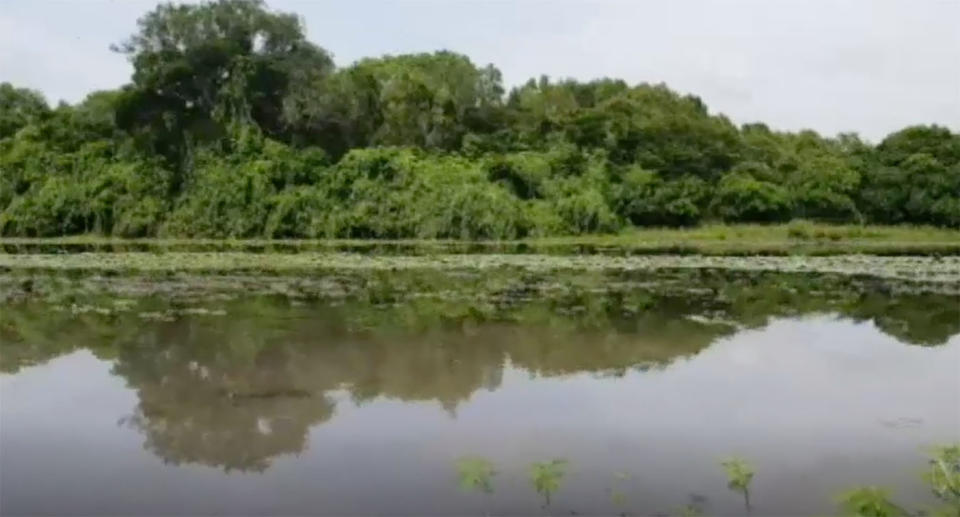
<point>360,400</point>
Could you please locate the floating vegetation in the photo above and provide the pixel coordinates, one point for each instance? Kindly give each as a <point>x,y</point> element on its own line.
<point>915,268</point>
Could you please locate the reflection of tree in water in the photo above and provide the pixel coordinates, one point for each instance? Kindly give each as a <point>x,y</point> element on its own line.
<point>33,333</point>
<point>236,391</point>
<point>929,319</point>
<point>207,395</point>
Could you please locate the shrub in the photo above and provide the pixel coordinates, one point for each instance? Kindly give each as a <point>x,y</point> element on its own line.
<point>645,199</point>
<point>586,211</point>
<point>297,212</point>
<point>225,199</point>
<point>475,211</point>
<point>58,206</point>
<point>742,198</point>
<point>523,173</point>
<point>542,220</point>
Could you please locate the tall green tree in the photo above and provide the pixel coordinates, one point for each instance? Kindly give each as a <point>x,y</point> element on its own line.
<point>200,71</point>
<point>18,108</point>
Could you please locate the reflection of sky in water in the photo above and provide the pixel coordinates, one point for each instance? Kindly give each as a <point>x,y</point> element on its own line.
<point>818,404</point>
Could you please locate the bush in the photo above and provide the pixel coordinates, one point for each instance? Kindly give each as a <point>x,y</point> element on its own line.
<point>542,219</point>
<point>523,173</point>
<point>645,199</point>
<point>825,205</point>
<point>297,212</point>
<point>586,211</point>
<point>58,206</point>
<point>401,193</point>
<point>475,211</point>
<point>225,199</point>
<point>742,198</point>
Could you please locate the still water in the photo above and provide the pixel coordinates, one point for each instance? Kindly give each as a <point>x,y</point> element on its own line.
<point>249,403</point>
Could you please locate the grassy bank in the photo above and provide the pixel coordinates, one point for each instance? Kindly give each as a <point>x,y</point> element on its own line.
<point>787,239</point>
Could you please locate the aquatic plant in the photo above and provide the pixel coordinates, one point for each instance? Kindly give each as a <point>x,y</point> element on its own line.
<point>689,510</point>
<point>944,477</point>
<point>739,477</point>
<point>546,477</point>
<point>475,474</point>
<point>869,501</point>
<point>617,496</point>
<point>929,270</point>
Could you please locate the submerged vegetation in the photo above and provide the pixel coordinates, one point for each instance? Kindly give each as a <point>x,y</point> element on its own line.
<point>235,125</point>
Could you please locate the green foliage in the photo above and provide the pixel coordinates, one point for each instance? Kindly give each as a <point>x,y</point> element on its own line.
<point>475,475</point>
<point>944,476</point>
<point>19,107</point>
<point>913,176</point>
<point>62,193</point>
<point>226,199</point>
<point>547,476</point>
<point>869,502</point>
<point>739,476</point>
<point>645,199</point>
<point>200,70</point>
<point>402,193</point>
<point>743,198</point>
<point>524,174</point>
<point>585,211</point>
<point>235,125</point>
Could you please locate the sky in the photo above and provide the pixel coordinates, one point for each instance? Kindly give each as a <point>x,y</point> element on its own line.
<point>868,66</point>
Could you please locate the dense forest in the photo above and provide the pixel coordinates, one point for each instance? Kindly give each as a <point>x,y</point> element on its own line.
<point>234,125</point>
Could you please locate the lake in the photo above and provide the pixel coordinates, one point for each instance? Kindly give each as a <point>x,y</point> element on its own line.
<point>356,392</point>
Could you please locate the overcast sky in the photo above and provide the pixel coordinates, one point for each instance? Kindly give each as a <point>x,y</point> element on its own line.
<point>870,66</point>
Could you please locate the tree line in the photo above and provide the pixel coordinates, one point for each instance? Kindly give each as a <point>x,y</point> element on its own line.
<point>235,125</point>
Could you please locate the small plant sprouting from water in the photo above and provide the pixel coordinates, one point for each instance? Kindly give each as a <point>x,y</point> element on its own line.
<point>869,501</point>
<point>739,475</point>
<point>689,510</point>
<point>617,495</point>
<point>944,477</point>
<point>546,477</point>
<point>475,475</point>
